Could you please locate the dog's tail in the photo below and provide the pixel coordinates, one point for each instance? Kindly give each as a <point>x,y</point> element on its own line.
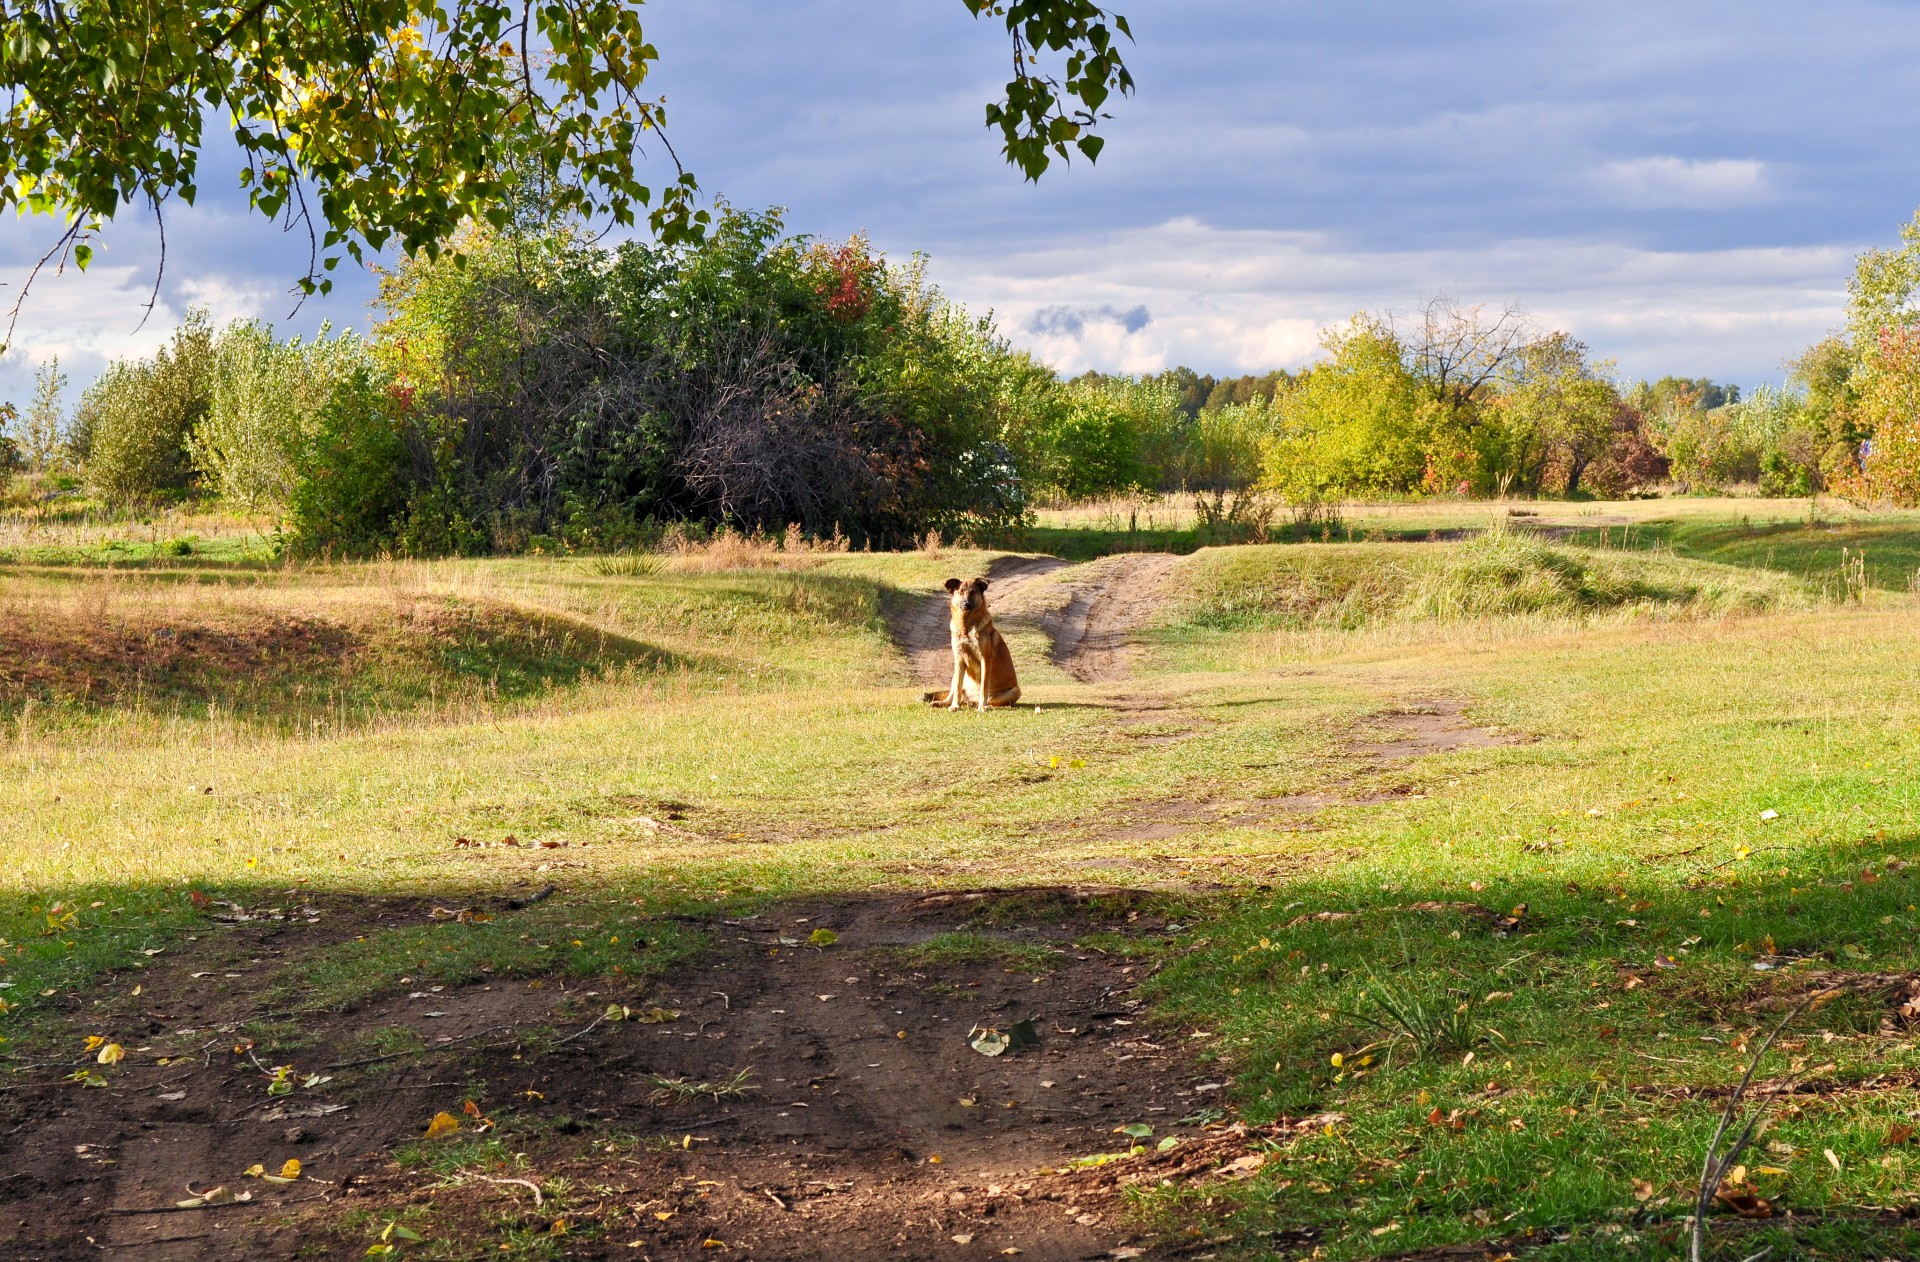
<point>935,698</point>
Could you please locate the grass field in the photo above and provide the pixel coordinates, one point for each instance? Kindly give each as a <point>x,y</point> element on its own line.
<point>1341,769</point>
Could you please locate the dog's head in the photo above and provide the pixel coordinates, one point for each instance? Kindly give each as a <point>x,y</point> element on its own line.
<point>967,599</point>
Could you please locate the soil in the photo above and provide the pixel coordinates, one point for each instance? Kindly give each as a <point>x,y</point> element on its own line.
<point>1429,727</point>
<point>1087,620</point>
<point>860,1123</point>
<point>1092,636</point>
<point>870,1128</point>
<point>921,633</point>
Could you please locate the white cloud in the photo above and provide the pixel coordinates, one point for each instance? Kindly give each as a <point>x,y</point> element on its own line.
<point>1684,183</point>
<point>1248,300</point>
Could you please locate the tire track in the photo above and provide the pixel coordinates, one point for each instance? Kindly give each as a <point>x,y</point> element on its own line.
<point>1089,636</point>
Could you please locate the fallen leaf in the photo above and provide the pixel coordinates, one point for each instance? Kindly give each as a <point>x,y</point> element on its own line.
<point>1642,1190</point>
<point>658,1016</point>
<point>442,1124</point>
<point>111,1054</point>
<point>963,1238</point>
<point>1744,1203</point>
<point>713,1244</point>
<point>1900,1133</point>
<point>1831,1159</point>
<point>823,937</point>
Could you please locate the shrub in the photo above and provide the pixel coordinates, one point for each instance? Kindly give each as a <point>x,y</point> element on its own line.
<point>265,409</point>
<point>1105,435</point>
<point>352,493</point>
<point>134,421</point>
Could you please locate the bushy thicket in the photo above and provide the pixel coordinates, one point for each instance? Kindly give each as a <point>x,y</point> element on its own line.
<point>533,389</point>
<point>543,388</point>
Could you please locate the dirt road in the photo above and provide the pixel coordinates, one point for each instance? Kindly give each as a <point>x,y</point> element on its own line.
<point>1087,613</point>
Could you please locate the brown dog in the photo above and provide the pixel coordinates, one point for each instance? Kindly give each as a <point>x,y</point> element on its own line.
<point>982,666</point>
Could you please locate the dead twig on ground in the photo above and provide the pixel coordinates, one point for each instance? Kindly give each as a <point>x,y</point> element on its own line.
<point>1714,1167</point>
<point>233,1204</point>
<point>538,1198</point>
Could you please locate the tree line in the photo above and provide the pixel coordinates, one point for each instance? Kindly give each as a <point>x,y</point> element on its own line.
<point>533,388</point>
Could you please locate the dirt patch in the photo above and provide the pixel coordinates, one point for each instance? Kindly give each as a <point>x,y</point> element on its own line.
<point>1090,633</point>
<point>920,631</point>
<point>866,1125</point>
<point>1429,727</point>
<point>1091,636</point>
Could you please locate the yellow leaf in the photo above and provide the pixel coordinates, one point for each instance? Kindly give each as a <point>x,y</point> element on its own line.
<point>111,1054</point>
<point>291,1170</point>
<point>559,1227</point>
<point>254,1171</point>
<point>1338,1060</point>
<point>713,1244</point>
<point>93,1041</point>
<point>823,937</point>
<point>442,1124</point>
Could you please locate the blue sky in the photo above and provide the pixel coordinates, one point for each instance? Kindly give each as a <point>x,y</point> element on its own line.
<point>1682,185</point>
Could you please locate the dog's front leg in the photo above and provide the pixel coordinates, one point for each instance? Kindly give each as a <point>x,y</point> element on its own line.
<point>953,693</point>
<point>985,664</point>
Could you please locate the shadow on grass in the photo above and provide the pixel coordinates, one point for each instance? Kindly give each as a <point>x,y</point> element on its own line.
<point>284,671</point>
<point>1566,1073</point>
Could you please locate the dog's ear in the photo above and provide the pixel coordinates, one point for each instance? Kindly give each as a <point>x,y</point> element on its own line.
<point>953,584</point>
<point>979,584</point>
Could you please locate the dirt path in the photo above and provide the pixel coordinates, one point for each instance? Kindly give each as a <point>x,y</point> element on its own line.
<point>868,1127</point>
<point>1104,602</point>
<point>1118,594</point>
<point>921,632</point>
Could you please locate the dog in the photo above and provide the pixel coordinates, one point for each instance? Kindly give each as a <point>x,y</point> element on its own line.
<point>982,665</point>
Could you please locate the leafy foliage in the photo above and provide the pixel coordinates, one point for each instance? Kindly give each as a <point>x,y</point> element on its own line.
<point>395,122</point>
<point>135,420</point>
<point>267,400</point>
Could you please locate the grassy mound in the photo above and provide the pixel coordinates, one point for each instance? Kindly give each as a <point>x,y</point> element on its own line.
<point>1496,575</point>
<point>107,650</point>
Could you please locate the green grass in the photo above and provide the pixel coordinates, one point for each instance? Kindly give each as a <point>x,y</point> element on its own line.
<point>1665,702</point>
<point>1502,574</point>
<point>1887,549</point>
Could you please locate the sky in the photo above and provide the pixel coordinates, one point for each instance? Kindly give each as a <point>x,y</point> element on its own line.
<point>1682,185</point>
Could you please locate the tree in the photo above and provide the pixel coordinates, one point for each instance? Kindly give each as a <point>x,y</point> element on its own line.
<point>1457,354</point>
<point>1557,412</point>
<point>395,121</point>
<point>1353,423</point>
<point>41,428</point>
<point>1883,381</point>
<point>135,420</point>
